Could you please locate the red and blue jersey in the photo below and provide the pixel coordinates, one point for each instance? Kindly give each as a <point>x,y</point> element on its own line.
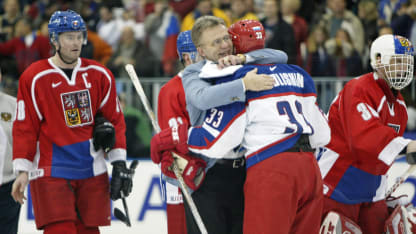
<point>367,122</point>
<point>52,134</point>
<point>268,123</point>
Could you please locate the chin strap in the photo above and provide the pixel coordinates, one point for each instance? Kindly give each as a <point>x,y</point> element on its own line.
<point>63,60</point>
<point>60,56</point>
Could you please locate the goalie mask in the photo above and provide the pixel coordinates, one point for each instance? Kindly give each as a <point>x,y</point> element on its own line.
<point>392,57</point>
<point>247,35</point>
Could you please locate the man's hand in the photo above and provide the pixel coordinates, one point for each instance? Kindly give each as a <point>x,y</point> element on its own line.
<point>121,179</point>
<point>257,82</point>
<point>174,138</point>
<point>230,60</point>
<point>19,187</point>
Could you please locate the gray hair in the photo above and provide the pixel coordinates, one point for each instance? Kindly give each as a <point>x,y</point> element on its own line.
<point>203,23</point>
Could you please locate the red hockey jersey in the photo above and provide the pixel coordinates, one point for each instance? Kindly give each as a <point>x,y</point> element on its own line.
<point>52,134</point>
<point>172,104</point>
<point>367,123</point>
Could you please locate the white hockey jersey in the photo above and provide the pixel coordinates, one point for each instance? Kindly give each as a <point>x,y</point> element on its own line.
<point>268,123</point>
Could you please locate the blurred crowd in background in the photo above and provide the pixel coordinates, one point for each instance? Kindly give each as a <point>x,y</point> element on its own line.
<point>325,37</point>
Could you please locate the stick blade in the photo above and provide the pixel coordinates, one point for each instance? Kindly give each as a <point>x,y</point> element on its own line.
<point>120,216</point>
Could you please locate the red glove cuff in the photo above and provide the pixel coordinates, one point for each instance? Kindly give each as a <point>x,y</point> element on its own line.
<point>166,163</point>
<point>194,173</point>
<point>174,138</point>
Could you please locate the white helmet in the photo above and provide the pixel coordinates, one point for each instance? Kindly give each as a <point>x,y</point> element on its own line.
<point>396,53</point>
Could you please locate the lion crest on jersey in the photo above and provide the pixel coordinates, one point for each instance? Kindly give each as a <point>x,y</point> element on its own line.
<point>77,108</point>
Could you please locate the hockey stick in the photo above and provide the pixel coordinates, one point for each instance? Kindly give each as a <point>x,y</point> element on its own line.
<point>139,89</point>
<point>125,218</point>
<point>401,179</point>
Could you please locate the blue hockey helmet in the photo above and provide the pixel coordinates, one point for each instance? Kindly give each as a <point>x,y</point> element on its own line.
<point>184,44</point>
<point>66,21</point>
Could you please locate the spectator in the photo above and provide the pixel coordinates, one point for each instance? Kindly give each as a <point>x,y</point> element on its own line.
<point>388,10</point>
<point>9,18</point>
<point>102,51</point>
<point>405,24</point>
<point>367,12</point>
<point>240,11</point>
<point>279,34</point>
<point>26,46</point>
<point>204,7</point>
<point>319,62</point>
<point>385,30</point>
<point>183,7</point>
<point>107,27</point>
<point>339,17</point>
<point>131,51</point>
<point>299,25</point>
<point>162,29</point>
<point>346,58</point>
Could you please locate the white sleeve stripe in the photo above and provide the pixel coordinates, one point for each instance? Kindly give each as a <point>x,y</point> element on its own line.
<point>327,160</point>
<point>402,103</point>
<point>32,89</point>
<point>380,106</point>
<point>392,149</point>
<point>22,164</point>
<point>214,132</point>
<point>117,154</point>
<point>373,112</point>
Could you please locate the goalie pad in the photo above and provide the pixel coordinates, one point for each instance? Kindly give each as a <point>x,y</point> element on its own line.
<point>401,221</point>
<point>335,223</point>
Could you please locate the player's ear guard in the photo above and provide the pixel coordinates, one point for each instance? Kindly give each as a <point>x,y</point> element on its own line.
<point>103,134</point>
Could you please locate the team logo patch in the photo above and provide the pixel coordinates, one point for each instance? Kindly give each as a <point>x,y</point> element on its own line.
<point>6,116</point>
<point>403,46</point>
<point>77,108</point>
<point>75,24</point>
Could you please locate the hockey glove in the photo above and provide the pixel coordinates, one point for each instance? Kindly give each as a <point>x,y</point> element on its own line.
<point>121,179</point>
<point>191,168</point>
<point>174,138</point>
<point>103,134</point>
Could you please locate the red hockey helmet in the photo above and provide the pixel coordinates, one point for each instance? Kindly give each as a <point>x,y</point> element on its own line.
<point>247,35</point>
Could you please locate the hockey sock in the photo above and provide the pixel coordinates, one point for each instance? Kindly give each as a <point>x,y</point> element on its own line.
<point>65,227</point>
<point>82,229</point>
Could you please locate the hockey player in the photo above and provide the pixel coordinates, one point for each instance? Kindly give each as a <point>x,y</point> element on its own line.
<point>172,113</point>
<point>367,120</point>
<point>68,119</point>
<point>278,129</point>
<point>9,217</point>
<point>226,176</point>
